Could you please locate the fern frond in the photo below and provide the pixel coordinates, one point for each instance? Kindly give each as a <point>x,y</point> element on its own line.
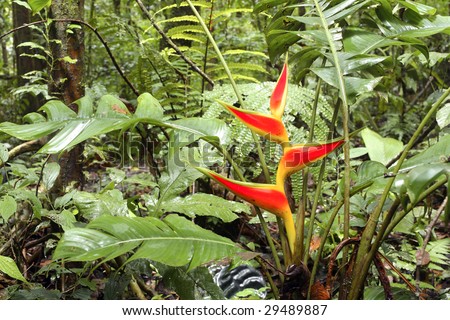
<point>185,18</point>
<point>185,28</point>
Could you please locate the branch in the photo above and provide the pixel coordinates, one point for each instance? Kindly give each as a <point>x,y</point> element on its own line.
<point>173,45</point>
<point>81,22</point>
<point>28,146</point>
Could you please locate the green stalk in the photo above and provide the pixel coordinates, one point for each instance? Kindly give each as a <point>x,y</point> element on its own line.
<point>327,231</point>
<point>255,138</point>
<point>408,209</point>
<point>365,253</point>
<point>345,125</point>
<point>302,247</point>
<point>318,188</point>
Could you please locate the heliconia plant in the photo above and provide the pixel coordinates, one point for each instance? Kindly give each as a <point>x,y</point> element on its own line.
<point>272,197</point>
<point>296,157</point>
<point>279,94</point>
<point>267,126</point>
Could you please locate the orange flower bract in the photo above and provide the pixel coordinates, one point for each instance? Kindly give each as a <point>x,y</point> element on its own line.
<point>265,125</point>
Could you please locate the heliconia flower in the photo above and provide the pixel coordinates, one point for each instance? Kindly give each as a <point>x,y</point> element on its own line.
<point>297,157</point>
<point>269,197</point>
<point>279,94</point>
<point>267,126</point>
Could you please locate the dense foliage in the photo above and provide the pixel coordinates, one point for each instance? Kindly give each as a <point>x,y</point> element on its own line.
<point>143,220</point>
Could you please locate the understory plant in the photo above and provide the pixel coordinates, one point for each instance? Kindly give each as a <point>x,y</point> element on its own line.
<point>358,216</point>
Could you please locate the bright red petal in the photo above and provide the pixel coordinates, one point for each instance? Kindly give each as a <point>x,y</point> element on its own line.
<point>265,125</point>
<point>266,196</point>
<point>297,157</point>
<point>279,94</point>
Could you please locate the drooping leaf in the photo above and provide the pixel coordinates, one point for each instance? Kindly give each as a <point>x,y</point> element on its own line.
<point>38,5</point>
<point>50,174</point>
<point>422,176</point>
<point>111,115</point>
<point>362,41</point>
<point>9,267</point>
<point>353,85</point>
<point>174,241</point>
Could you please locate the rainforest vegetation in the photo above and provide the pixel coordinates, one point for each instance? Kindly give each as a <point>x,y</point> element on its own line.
<point>158,149</point>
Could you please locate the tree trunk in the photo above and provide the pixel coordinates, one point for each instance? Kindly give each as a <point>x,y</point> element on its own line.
<point>21,15</point>
<point>67,82</point>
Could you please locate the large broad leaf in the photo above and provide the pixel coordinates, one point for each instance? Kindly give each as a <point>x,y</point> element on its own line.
<point>201,204</point>
<point>381,149</point>
<point>353,85</point>
<point>111,114</point>
<point>412,25</point>
<point>93,205</point>
<point>435,154</point>
<point>174,241</point>
<point>9,267</point>
<point>363,41</point>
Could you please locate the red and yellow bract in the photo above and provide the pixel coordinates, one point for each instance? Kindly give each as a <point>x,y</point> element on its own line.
<point>279,94</point>
<point>268,197</point>
<point>299,156</point>
<point>267,126</point>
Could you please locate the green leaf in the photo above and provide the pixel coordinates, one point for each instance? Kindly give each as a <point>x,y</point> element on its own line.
<point>57,111</point>
<point>436,154</point>
<point>443,116</point>
<point>177,180</point>
<point>211,130</point>
<point>9,267</point>
<point>362,41</point>
<point>174,241</point>
<point>353,85</point>
<point>420,8</point>
<point>420,177</point>
<point>381,149</point>
<point>8,207</point>
<point>65,218</point>
<point>30,131</point>
<point>50,174</point>
<point>23,4</point>
<point>92,205</point>
<point>267,4</point>
<point>38,5</point>
<point>201,204</point>
<point>188,284</point>
<point>370,170</point>
<point>4,154</point>
<point>111,115</point>
<point>148,107</point>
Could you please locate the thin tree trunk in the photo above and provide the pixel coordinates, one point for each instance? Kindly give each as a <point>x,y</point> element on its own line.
<point>24,64</point>
<point>67,81</point>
